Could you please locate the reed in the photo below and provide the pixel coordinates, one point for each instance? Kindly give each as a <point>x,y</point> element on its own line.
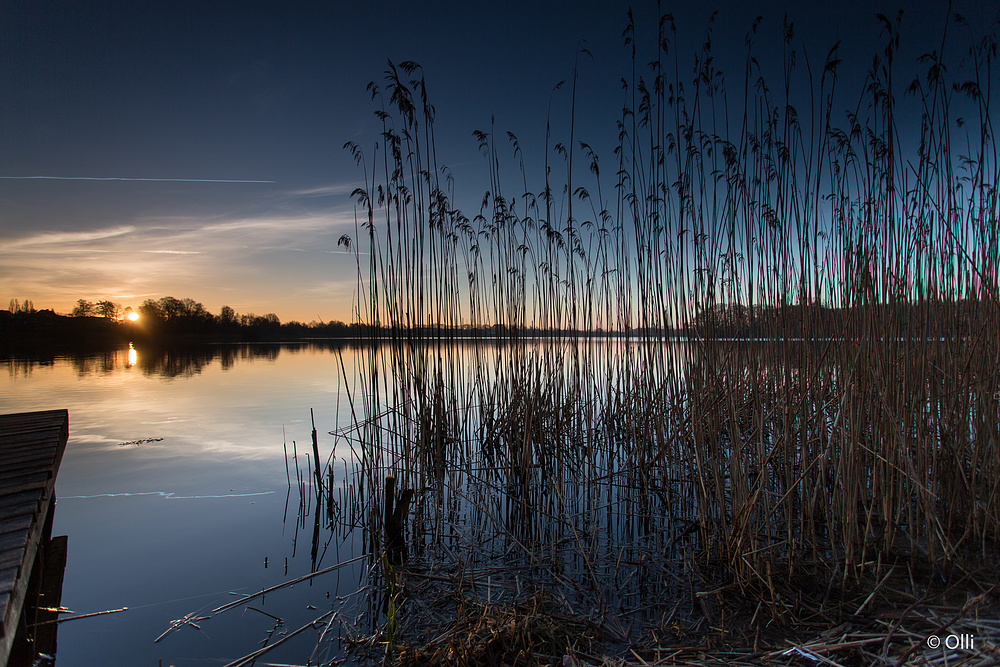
<point>797,373</point>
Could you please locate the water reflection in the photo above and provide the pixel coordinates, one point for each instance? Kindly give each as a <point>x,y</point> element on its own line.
<point>24,367</point>
<point>173,488</point>
<point>169,362</point>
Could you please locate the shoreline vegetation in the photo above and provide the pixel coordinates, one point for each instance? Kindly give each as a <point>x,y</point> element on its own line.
<point>23,328</point>
<point>579,503</point>
<point>167,321</point>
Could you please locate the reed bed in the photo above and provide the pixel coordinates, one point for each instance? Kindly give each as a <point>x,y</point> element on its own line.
<point>752,381</point>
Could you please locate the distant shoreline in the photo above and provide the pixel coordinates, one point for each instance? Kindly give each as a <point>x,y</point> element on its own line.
<point>43,330</point>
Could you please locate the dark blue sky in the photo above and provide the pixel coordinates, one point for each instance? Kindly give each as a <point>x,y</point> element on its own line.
<point>271,92</point>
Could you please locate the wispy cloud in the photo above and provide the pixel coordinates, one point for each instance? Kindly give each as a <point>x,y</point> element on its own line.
<point>327,287</point>
<point>332,190</point>
<point>48,240</point>
<point>278,225</point>
<point>271,262</point>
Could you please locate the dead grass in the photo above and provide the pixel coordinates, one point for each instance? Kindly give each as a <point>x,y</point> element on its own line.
<point>445,621</point>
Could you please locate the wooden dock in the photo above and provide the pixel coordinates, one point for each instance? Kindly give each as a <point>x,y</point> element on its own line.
<point>31,448</point>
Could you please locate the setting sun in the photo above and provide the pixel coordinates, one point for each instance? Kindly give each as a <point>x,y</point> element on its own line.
<point>132,317</point>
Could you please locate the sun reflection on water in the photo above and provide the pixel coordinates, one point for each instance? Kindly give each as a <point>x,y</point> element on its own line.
<point>133,357</point>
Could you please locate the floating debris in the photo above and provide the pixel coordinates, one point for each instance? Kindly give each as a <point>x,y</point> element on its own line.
<point>136,443</point>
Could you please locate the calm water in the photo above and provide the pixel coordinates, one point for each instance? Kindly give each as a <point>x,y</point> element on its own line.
<point>174,489</point>
<point>174,495</point>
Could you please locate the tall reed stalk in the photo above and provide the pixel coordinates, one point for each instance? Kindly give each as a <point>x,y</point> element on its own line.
<point>799,369</point>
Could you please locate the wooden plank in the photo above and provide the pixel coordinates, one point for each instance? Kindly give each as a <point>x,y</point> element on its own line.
<point>37,415</point>
<point>16,445</point>
<point>16,432</point>
<point>15,499</point>
<point>11,558</point>
<point>27,483</point>
<point>24,508</point>
<point>19,474</point>
<point>26,465</point>
<point>31,447</point>
<point>21,443</point>
<point>19,481</point>
<point>16,524</point>
<point>7,579</point>
<point>19,585</point>
<point>24,430</point>
<point>10,541</point>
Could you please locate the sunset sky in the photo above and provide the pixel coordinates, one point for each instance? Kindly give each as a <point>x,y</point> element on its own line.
<point>194,149</point>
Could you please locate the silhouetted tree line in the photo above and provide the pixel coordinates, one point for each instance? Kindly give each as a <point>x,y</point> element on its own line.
<point>170,317</point>
<point>31,330</point>
<point>163,321</point>
<point>105,308</point>
<point>931,318</point>
<point>171,320</point>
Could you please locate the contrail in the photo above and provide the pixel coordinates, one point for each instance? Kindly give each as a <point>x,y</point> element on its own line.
<point>118,178</point>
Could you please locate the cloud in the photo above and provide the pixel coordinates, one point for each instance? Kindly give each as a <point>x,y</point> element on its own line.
<point>277,225</point>
<point>332,190</point>
<point>331,287</point>
<point>47,241</point>
<point>258,263</point>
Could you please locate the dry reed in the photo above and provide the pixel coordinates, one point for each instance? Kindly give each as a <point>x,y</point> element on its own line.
<point>756,384</point>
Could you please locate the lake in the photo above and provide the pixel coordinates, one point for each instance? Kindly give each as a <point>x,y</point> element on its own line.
<point>631,489</point>
<point>179,494</point>
<point>174,495</point>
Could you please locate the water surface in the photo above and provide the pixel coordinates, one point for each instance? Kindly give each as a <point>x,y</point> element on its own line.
<point>174,495</point>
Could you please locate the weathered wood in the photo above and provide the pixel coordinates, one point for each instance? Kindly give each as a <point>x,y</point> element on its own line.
<point>10,558</point>
<point>23,508</point>
<point>14,499</point>
<point>8,578</point>
<point>49,595</point>
<point>31,449</point>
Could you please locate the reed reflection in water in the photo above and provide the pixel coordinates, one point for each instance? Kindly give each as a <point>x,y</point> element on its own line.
<point>621,477</point>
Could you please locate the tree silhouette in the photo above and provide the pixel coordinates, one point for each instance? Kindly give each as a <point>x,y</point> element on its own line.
<point>84,308</point>
<point>109,309</point>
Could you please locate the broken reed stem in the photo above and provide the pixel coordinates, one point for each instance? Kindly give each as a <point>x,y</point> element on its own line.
<point>251,657</point>
<point>306,577</point>
<point>78,616</point>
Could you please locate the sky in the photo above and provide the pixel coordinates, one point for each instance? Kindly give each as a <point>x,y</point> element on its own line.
<point>195,149</point>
